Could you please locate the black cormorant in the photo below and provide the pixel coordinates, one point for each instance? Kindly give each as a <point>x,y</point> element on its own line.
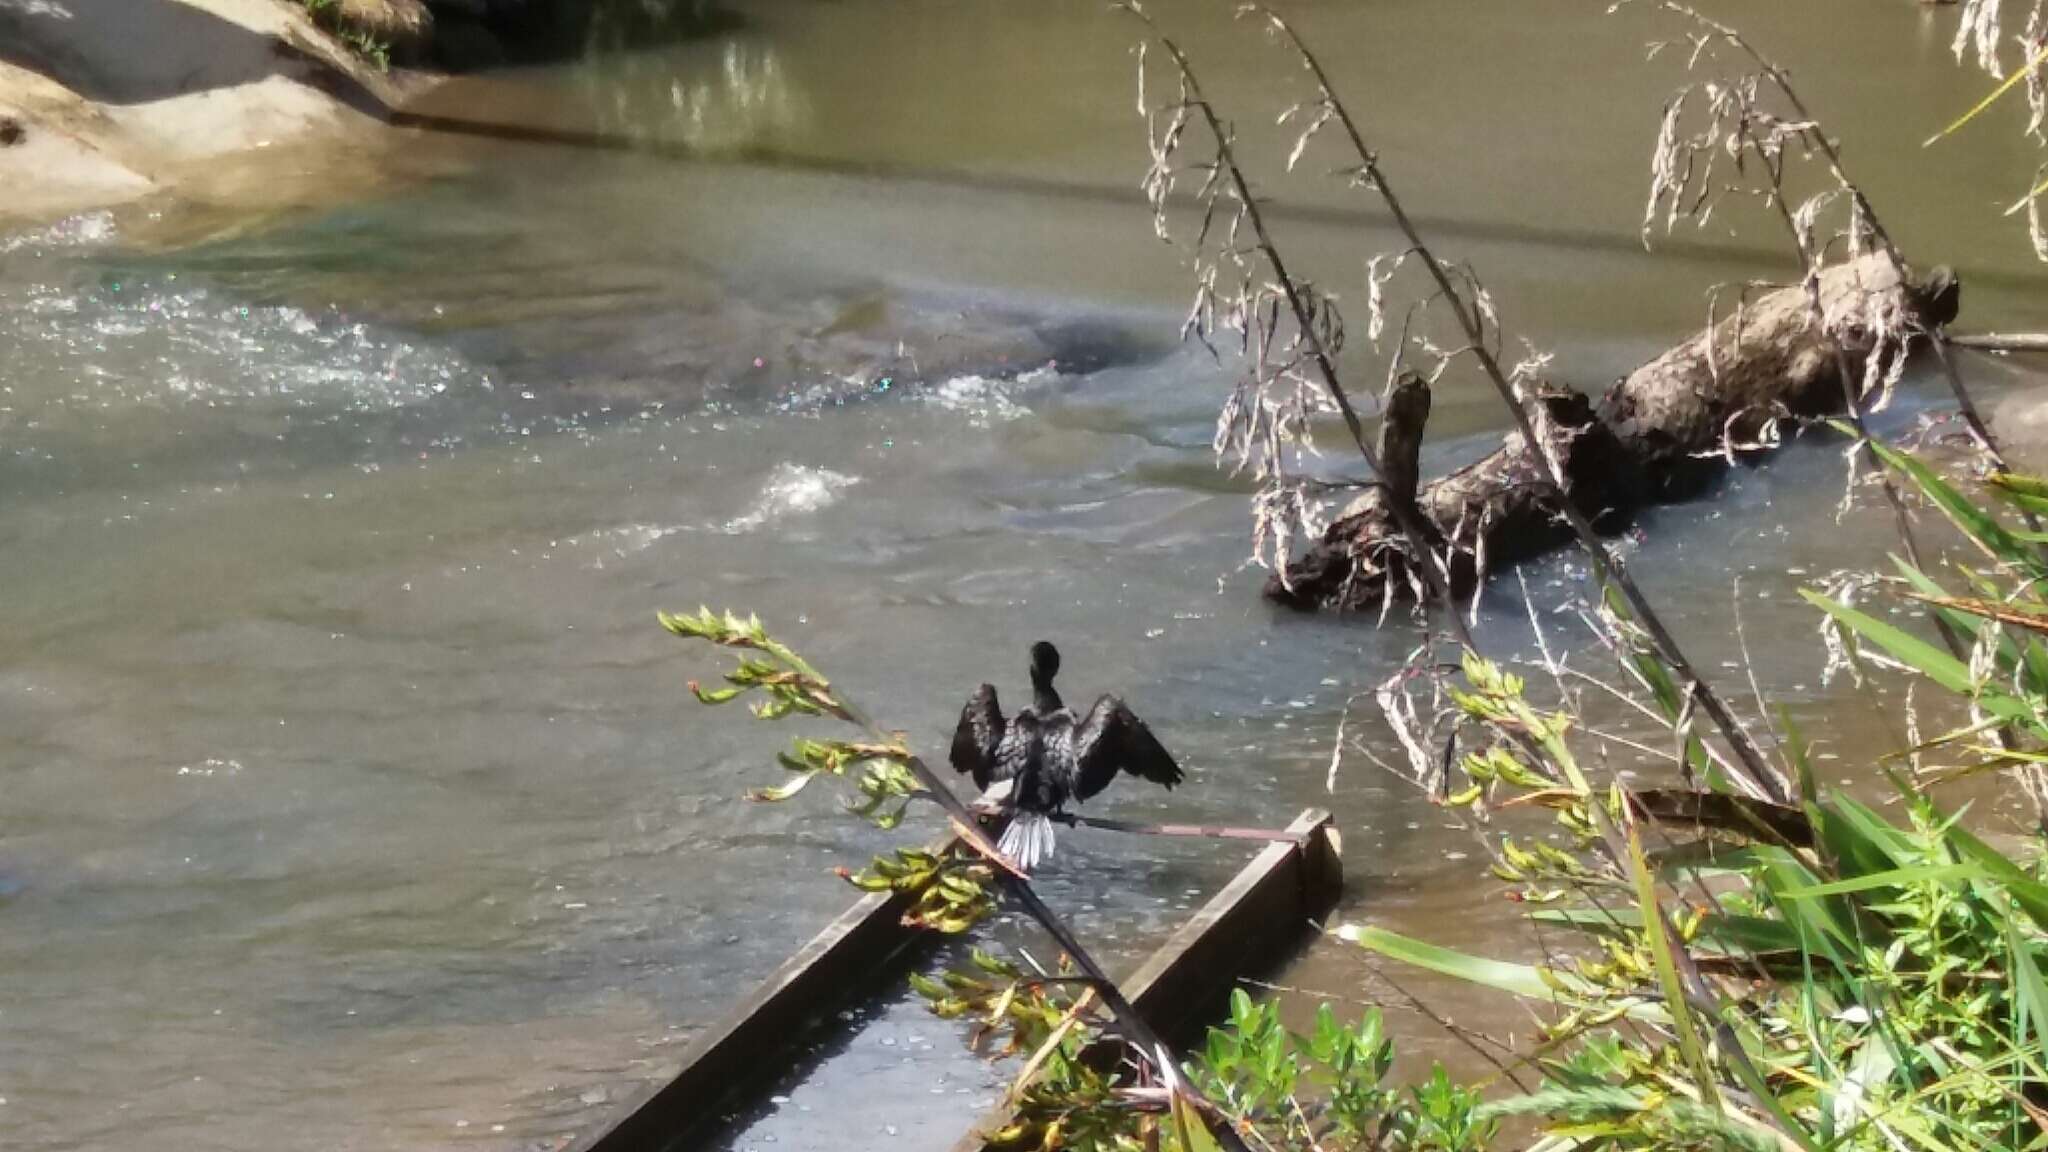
<point>1045,755</point>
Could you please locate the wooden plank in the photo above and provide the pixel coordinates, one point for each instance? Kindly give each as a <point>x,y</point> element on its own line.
<point>1257,921</point>
<point>1259,917</point>
<point>748,1047</point>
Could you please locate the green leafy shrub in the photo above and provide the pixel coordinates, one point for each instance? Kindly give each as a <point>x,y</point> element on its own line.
<point>1812,976</point>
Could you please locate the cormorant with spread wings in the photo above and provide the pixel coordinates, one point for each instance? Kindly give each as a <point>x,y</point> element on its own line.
<point>1045,755</point>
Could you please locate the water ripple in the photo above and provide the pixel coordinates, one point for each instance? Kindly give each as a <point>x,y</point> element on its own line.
<point>792,489</point>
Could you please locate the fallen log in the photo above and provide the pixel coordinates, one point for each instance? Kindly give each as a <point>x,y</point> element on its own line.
<point>1657,435</point>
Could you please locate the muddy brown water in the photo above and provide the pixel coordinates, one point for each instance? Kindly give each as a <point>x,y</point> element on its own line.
<point>348,794</point>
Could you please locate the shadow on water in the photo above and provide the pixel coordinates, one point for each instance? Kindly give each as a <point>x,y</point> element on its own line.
<point>554,31</point>
<point>584,26</point>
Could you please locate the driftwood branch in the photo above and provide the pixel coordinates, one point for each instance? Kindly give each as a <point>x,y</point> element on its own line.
<point>1658,435</point>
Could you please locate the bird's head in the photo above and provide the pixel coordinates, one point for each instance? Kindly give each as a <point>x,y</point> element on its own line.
<point>1045,662</point>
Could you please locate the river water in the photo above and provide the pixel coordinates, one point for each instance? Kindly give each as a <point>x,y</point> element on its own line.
<point>350,796</point>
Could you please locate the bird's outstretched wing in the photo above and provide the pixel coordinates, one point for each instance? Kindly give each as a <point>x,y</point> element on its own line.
<point>975,740</point>
<point>1113,739</point>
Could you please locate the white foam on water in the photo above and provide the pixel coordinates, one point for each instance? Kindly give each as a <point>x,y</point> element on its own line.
<point>983,400</point>
<point>128,344</point>
<point>85,230</point>
<point>1045,372</point>
<point>791,489</point>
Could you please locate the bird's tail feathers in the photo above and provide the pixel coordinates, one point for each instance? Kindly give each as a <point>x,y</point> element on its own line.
<point>1028,839</point>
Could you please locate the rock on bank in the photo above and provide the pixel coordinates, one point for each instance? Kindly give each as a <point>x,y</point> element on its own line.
<point>106,101</point>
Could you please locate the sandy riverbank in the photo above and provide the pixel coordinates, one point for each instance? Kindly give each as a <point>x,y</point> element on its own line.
<point>107,102</point>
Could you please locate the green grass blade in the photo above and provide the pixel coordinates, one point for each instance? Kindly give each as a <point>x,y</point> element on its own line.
<point>1896,878</point>
<point>2026,493</point>
<point>1816,922</point>
<point>1760,1091</point>
<point>2032,654</point>
<point>2029,893</point>
<point>2027,986</point>
<point>1997,94</point>
<point>1853,827</point>
<point>1930,661</point>
<point>1974,520</point>
<point>2021,484</point>
<point>1900,645</point>
<point>1748,933</point>
<point>1730,934</point>
<point>1933,593</point>
<point>1671,703</point>
<point>1660,943</point>
<point>1522,980</point>
<point>2036,657</point>
<point>1799,755</point>
<point>2021,203</point>
<point>1190,1128</point>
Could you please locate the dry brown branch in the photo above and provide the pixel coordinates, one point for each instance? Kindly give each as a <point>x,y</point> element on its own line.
<point>1270,408</point>
<point>1772,133</point>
